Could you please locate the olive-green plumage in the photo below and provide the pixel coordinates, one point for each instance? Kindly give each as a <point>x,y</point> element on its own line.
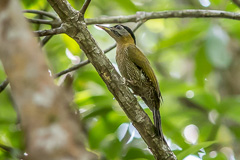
<point>137,71</point>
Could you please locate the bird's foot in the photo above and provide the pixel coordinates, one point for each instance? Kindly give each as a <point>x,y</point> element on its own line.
<point>128,82</point>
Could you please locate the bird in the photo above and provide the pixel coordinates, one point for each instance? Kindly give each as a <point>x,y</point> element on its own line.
<point>137,71</point>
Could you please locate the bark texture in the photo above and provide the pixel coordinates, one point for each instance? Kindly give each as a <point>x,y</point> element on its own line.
<point>52,131</point>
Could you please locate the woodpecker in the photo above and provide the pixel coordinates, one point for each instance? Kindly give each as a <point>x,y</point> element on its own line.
<point>137,71</point>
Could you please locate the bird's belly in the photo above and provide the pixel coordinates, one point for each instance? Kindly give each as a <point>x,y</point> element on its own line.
<point>128,70</point>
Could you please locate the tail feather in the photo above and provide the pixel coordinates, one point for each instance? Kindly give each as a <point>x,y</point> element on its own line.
<point>157,123</point>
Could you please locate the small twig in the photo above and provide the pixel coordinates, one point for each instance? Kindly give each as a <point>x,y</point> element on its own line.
<point>56,22</point>
<point>44,13</point>
<point>110,48</point>
<point>6,148</point>
<point>139,16</point>
<point>75,67</point>
<point>3,85</point>
<point>83,63</point>
<point>85,6</point>
<point>138,25</point>
<point>45,40</point>
<point>188,103</point>
<point>237,2</point>
<point>40,21</point>
<point>53,31</point>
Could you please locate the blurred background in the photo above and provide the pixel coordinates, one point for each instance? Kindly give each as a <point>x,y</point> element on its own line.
<point>197,63</point>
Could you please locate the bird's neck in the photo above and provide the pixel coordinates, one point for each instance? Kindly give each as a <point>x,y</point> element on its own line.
<point>123,44</point>
<point>125,41</point>
<point>121,47</point>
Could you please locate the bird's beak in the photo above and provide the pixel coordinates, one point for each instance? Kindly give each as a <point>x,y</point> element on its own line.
<point>104,28</point>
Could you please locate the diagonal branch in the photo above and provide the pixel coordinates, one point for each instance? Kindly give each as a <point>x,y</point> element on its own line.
<point>3,85</point>
<point>85,6</point>
<point>62,9</point>
<point>73,68</point>
<point>45,40</point>
<point>112,79</point>
<point>46,115</point>
<point>237,2</point>
<point>139,16</point>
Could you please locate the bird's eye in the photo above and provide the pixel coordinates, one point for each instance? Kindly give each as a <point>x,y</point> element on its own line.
<point>118,27</point>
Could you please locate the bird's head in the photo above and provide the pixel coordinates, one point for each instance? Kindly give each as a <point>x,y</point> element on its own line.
<point>121,34</point>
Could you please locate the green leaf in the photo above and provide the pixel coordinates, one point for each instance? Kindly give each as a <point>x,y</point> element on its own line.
<point>187,35</point>
<point>96,111</point>
<point>137,154</point>
<point>193,149</point>
<point>112,147</point>
<point>203,67</point>
<point>216,48</point>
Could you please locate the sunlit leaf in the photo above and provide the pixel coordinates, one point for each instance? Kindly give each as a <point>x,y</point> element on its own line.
<point>193,149</point>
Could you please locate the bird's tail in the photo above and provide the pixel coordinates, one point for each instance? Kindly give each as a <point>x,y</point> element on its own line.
<point>157,123</point>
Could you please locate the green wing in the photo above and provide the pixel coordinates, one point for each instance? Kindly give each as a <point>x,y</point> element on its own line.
<point>140,60</point>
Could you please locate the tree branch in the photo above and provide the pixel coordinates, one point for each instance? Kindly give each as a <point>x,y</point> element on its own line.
<point>44,13</point>
<point>3,85</point>
<point>51,129</point>
<point>85,6</point>
<point>53,31</point>
<point>112,79</point>
<point>45,40</point>
<point>139,16</point>
<point>40,21</point>
<point>65,13</point>
<point>56,22</point>
<point>237,2</point>
<point>75,67</point>
<point>143,16</point>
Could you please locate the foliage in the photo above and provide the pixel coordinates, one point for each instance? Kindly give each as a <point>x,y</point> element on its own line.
<point>196,62</point>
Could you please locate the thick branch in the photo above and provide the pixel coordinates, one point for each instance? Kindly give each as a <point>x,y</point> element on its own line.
<point>139,16</point>
<point>64,10</point>
<point>51,130</point>
<point>115,84</point>
<point>53,31</point>
<point>4,84</point>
